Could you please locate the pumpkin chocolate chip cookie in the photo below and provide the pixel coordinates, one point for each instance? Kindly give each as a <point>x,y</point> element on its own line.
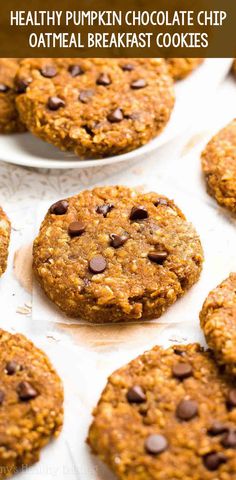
<point>9,117</point>
<point>95,107</point>
<point>180,68</point>
<point>31,403</point>
<point>218,320</point>
<point>5,230</point>
<point>112,255</point>
<point>219,166</point>
<point>168,414</point>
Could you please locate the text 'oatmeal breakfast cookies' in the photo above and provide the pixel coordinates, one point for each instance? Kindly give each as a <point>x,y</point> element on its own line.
<point>95,107</point>
<point>5,231</point>
<point>168,414</point>
<point>112,255</point>
<point>180,68</point>
<point>218,321</point>
<point>219,166</point>
<point>9,117</point>
<point>31,403</point>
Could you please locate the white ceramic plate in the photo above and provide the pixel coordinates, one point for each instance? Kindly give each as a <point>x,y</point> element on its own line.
<point>191,94</point>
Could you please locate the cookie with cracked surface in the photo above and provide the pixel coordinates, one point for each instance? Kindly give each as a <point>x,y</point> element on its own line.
<point>5,231</point>
<point>31,402</point>
<point>9,117</point>
<point>218,321</point>
<point>180,68</point>
<point>168,414</point>
<point>219,166</point>
<point>112,255</point>
<point>95,107</point>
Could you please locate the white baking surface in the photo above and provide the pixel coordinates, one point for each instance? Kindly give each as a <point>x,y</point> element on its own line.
<point>85,360</point>
<point>25,149</point>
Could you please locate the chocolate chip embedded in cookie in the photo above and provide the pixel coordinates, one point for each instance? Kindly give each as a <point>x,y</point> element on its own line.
<point>9,117</point>
<point>95,107</point>
<point>112,255</point>
<point>218,321</point>
<point>151,424</point>
<point>180,68</point>
<point>5,231</point>
<point>31,403</point>
<point>219,166</point>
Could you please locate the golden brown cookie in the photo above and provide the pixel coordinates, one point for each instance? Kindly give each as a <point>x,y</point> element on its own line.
<point>5,231</point>
<point>218,321</point>
<point>95,107</point>
<point>9,118</point>
<point>167,415</point>
<point>113,255</point>
<point>219,166</point>
<point>180,68</point>
<point>31,403</point>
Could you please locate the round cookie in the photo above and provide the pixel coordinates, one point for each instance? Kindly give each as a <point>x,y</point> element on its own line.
<point>168,414</point>
<point>112,255</point>
<point>218,321</point>
<point>95,107</point>
<point>5,231</point>
<point>180,68</point>
<point>9,118</point>
<point>31,403</point>
<point>219,166</point>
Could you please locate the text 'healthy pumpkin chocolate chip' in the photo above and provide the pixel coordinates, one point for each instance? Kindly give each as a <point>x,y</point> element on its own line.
<point>138,213</point>
<point>182,370</point>
<point>136,395</point>
<point>104,80</point>
<point>49,71</point>
<point>213,460</point>
<point>117,240</point>
<point>156,444</point>
<point>26,391</point>
<point>59,208</point>
<point>187,409</point>
<point>76,229</point>
<point>75,70</point>
<point>137,84</point>
<point>105,208</point>
<point>3,88</point>
<point>115,116</point>
<point>97,264</point>
<point>54,103</point>
<point>157,257</point>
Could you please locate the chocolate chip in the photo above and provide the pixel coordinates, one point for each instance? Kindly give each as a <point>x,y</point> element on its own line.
<point>115,116</point>
<point>178,351</point>
<point>213,460</point>
<point>97,264</point>
<point>231,399</point>
<point>59,208</point>
<point>49,71</point>
<point>104,80</point>
<point>160,201</point>
<point>217,428</point>
<point>75,70</point>
<point>105,208</point>
<point>155,444</point>
<point>12,367</point>
<point>140,83</point>
<point>117,240</point>
<point>76,229</point>
<point>182,370</point>
<point>2,396</point>
<point>4,88</point>
<point>86,95</point>
<point>157,257</point>
<point>136,395</point>
<point>229,439</point>
<point>26,391</point>
<point>54,103</point>
<point>127,67</point>
<point>187,409</point>
<point>138,213</point>
<point>22,84</point>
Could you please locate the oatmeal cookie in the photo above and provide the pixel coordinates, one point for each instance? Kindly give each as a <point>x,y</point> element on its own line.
<point>9,117</point>
<point>112,255</point>
<point>5,231</point>
<point>31,403</point>
<point>167,415</point>
<point>180,68</point>
<point>218,321</point>
<point>219,166</point>
<point>95,107</point>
